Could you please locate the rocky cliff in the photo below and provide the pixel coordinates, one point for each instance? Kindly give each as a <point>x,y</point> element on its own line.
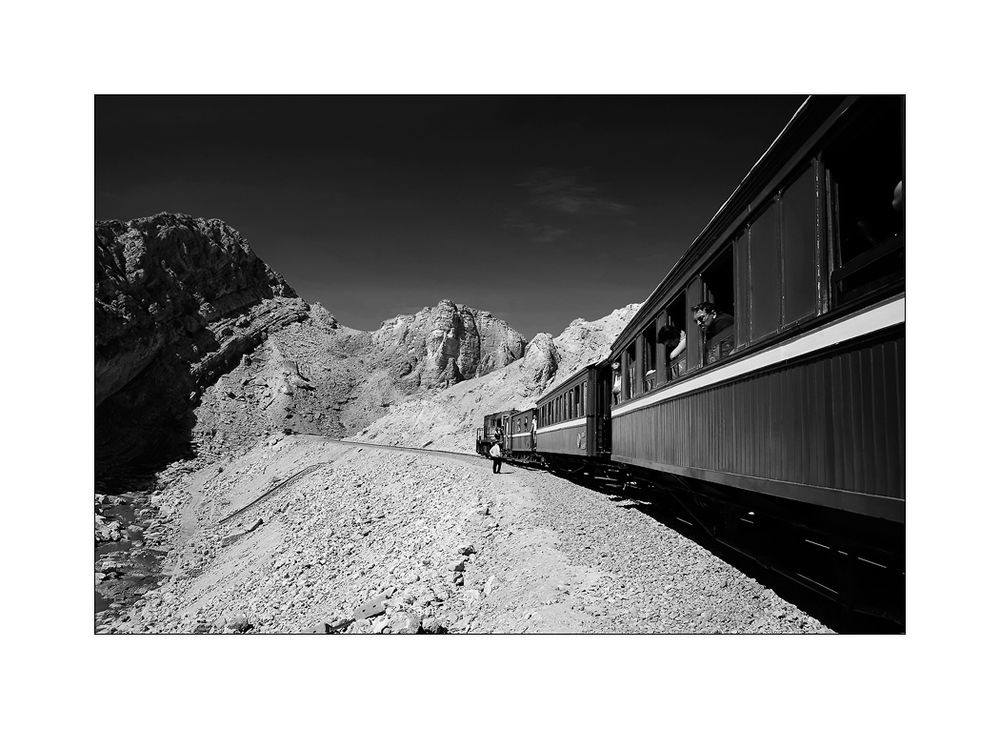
<point>177,301</point>
<point>448,419</point>
<point>445,344</point>
<point>312,379</point>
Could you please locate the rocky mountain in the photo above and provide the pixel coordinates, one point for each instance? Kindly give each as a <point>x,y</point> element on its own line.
<point>311,379</point>
<point>446,344</point>
<point>198,343</point>
<point>177,301</point>
<point>448,419</point>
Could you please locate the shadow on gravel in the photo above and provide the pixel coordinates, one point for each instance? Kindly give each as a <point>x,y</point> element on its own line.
<point>660,507</point>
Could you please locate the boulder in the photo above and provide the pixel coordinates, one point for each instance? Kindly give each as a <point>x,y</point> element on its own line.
<point>405,623</point>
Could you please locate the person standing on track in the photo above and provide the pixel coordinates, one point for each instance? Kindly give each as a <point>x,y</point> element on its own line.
<point>495,455</point>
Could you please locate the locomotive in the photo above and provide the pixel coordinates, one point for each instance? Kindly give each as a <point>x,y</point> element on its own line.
<point>778,429</point>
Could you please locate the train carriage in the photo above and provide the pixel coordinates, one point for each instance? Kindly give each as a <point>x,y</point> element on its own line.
<point>496,428</point>
<point>574,417</point>
<point>522,434</point>
<point>801,397</point>
<point>761,384</point>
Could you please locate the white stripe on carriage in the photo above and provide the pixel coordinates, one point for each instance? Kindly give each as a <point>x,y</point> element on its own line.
<point>866,322</point>
<point>559,426</point>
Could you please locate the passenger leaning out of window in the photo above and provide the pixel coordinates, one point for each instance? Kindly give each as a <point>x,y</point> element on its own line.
<point>716,328</point>
<point>711,321</point>
<point>675,339</point>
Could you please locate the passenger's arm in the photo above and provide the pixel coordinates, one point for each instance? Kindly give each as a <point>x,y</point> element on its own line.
<point>681,346</point>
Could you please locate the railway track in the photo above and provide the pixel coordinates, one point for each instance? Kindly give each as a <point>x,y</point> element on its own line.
<point>299,475</point>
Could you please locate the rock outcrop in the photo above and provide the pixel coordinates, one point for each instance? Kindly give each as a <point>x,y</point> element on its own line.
<point>445,344</point>
<point>541,359</point>
<point>178,301</point>
<point>448,419</point>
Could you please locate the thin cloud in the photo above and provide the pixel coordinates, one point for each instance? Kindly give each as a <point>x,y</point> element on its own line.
<point>564,192</point>
<point>538,232</point>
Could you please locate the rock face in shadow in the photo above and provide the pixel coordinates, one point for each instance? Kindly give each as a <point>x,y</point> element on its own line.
<point>446,344</point>
<point>178,301</point>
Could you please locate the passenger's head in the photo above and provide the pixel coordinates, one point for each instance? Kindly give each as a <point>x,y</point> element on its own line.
<point>704,313</point>
<point>670,335</point>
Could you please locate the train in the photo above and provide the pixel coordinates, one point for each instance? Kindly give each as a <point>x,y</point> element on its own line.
<point>762,383</point>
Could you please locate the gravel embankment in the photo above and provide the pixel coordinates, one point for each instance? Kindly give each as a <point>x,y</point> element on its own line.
<point>374,540</point>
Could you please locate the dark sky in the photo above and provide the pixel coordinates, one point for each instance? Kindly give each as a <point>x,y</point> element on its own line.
<point>540,209</point>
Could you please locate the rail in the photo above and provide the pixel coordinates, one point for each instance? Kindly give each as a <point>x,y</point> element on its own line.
<point>299,475</point>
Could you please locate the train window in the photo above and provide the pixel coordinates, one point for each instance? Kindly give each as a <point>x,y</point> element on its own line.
<point>798,247</point>
<point>765,268</point>
<point>576,401</point>
<point>584,401</point>
<point>719,338</point>
<point>616,382</point>
<point>675,338</point>
<point>741,252</point>
<point>865,175</point>
<point>649,357</point>
<point>630,372</point>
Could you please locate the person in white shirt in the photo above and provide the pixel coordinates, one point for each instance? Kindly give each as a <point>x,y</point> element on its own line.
<point>495,454</point>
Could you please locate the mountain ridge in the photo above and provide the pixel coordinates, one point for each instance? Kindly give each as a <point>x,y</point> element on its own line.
<point>185,309</point>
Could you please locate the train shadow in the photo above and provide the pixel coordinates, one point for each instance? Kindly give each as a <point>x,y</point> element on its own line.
<point>657,505</point>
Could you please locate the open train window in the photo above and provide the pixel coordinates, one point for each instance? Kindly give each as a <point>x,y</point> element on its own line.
<point>675,338</point>
<point>719,335</point>
<point>865,180</point>
<point>649,357</point>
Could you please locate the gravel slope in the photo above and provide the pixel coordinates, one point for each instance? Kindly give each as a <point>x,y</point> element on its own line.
<point>430,543</point>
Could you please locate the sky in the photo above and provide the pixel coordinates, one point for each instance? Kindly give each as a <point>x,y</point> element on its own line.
<point>539,209</point>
